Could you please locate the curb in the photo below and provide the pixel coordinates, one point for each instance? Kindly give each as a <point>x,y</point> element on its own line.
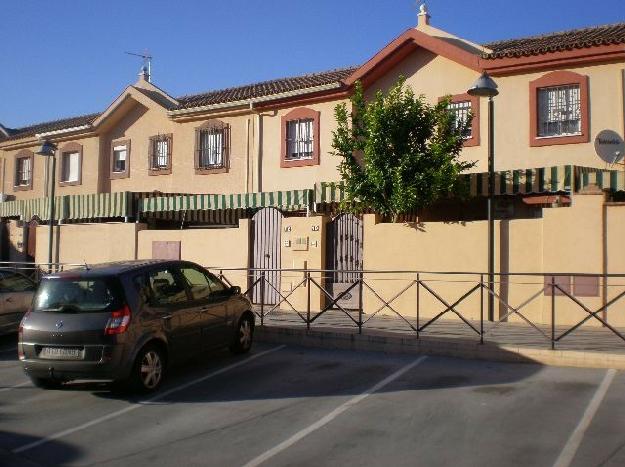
<point>331,338</point>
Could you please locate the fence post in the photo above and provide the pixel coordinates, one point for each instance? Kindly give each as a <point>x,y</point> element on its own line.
<point>481,308</point>
<point>418,301</point>
<point>308,301</point>
<point>362,305</point>
<point>262,298</point>
<point>553,313</point>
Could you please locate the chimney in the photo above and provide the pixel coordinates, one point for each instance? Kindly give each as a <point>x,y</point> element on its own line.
<point>144,74</point>
<point>423,18</point>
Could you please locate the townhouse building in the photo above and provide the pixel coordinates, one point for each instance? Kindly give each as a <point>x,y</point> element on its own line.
<point>155,175</point>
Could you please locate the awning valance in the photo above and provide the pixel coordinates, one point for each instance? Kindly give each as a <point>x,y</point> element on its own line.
<point>73,207</point>
<point>543,180</point>
<point>290,200</point>
<point>557,179</point>
<point>610,180</point>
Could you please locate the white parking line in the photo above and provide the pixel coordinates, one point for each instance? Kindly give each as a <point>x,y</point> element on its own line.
<point>132,407</point>
<point>25,383</point>
<point>332,415</point>
<point>570,448</point>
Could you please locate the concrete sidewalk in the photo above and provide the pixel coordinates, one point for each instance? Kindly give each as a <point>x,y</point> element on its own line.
<point>590,347</point>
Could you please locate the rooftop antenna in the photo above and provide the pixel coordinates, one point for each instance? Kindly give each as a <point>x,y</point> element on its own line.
<point>146,68</point>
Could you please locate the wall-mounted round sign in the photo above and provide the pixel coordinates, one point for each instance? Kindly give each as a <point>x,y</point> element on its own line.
<point>610,146</point>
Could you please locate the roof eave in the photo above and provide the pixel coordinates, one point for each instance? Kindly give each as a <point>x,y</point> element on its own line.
<point>254,100</point>
<point>575,57</point>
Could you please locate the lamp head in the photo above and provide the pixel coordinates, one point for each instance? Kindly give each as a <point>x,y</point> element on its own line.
<point>485,86</point>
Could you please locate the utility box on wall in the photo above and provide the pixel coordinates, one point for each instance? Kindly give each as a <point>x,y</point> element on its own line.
<point>165,250</point>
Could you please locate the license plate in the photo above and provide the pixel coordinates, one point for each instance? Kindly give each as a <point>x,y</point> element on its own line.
<point>61,353</point>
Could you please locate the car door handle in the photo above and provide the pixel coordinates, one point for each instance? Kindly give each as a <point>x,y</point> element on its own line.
<point>9,299</point>
<point>167,317</point>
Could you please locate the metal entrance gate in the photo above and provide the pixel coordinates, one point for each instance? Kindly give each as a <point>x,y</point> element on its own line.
<point>344,253</point>
<point>266,227</point>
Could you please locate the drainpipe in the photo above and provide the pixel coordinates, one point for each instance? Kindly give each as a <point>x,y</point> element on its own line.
<point>247,156</point>
<point>258,141</point>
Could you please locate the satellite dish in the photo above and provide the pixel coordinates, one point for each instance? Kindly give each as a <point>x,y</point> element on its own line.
<point>609,146</point>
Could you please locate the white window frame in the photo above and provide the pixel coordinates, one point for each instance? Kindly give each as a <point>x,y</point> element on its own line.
<point>559,106</point>
<point>24,166</point>
<point>66,166</point>
<point>119,149</point>
<point>300,139</point>
<point>461,111</point>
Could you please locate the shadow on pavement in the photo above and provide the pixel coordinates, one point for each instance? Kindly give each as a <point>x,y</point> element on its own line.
<point>297,372</point>
<point>61,453</point>
<point>8,347</point>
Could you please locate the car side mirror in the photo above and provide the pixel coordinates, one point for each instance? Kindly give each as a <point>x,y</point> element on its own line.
<point>235,290</point>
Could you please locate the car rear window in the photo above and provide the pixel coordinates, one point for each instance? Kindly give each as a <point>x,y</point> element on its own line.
<point>76,295</point>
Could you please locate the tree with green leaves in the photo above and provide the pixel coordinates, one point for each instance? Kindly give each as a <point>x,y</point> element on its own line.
<point>399,153</point>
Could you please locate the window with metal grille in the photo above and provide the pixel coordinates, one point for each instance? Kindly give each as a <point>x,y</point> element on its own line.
<point>160,152</point>
<point>299,139</point>
<point>70,167</point>
<point>120,155</point>
<point>212,147</point>
<point>559,111</point>
<point>23,171</point>
<point>461,112</point>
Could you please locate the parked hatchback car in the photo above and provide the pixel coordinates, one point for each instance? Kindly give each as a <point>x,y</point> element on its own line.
<point>127,322</point>
<point>16,295</point>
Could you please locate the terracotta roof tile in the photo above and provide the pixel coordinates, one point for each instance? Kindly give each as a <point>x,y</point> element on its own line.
<point>31,130</point>
<point>265,88</point>
<point>565,40</point>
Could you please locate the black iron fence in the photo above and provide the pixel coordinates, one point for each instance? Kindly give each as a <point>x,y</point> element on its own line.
<point>553,306</point>
<point>35,271</point>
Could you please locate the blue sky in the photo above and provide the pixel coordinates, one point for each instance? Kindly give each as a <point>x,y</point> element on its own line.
<point>66,57</point>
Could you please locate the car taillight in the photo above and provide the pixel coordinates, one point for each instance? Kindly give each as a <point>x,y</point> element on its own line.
<point>20,334</point>
<point>119,321</point>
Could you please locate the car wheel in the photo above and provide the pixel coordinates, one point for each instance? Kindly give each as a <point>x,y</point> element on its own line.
<point>244,335</point>
<point>148,371</point>
<point>46,383</point>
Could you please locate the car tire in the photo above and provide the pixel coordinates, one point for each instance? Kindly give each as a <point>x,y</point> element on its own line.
<point>244,335</point>
<point>148,371</point>
<point>46,383</point>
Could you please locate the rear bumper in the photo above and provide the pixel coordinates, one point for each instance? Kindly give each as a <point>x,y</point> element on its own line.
<point>111,366</point>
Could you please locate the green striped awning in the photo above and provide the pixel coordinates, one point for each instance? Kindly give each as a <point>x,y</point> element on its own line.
<point>291,200</point>
<point>72,207</point>
<point>557,179</point>
<point>508,182</point>
<point>329,192</point>
<point>610,180</point>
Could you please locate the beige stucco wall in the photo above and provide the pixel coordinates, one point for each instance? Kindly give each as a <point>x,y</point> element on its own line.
<point>512,119</point>
<point>17,241</point>
<point>435,76</point>
<point>564,240</point>
<point>147,119</point>
<point>615,261</point>
<point>225,248</point>
<point>312,232</point>
<point>90,170</point>
<point>428,74</point>
<point>275,177</point>
<point>89,243</point>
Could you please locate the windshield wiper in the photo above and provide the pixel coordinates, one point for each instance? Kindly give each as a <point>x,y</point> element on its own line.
<point>63,309</point>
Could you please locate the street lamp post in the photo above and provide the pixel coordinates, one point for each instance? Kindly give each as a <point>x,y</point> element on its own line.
<point>48,149</point>
<point>486,87</point>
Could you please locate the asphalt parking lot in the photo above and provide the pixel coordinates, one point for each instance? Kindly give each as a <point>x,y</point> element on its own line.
<point>299,406</point>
